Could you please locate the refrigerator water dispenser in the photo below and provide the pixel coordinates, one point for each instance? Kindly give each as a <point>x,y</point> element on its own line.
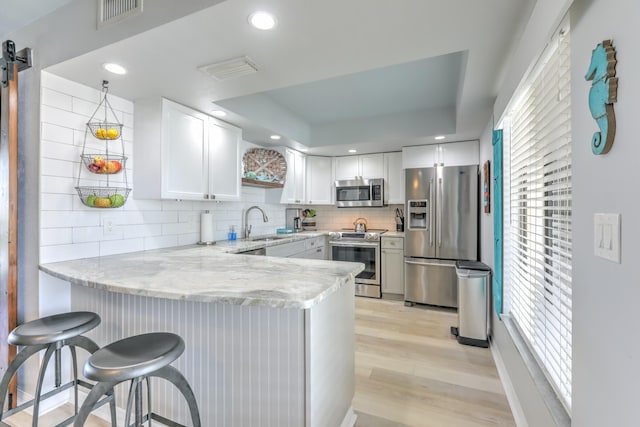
<point>418,213</point>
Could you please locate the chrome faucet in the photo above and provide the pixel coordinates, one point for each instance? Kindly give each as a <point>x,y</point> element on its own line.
<point>247,227</point>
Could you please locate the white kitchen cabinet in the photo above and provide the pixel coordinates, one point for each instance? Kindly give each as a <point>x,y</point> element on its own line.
<point>363,166</point>
<point>319,180</point>
<point>450,154</point>
<point>393,179</point>
<point>315,248</point>
<point>392,249</point>
<point>294,185</point>
<point>184,154</point>
<point>224,161</point>
<point>312,248</point>
<point>286,250</point>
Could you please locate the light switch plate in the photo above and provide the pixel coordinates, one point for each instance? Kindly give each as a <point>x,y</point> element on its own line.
<point>606,236</point>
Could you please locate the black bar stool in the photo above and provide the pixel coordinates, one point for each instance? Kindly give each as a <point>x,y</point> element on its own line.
<point>137,358</point>
<point>52,333</point>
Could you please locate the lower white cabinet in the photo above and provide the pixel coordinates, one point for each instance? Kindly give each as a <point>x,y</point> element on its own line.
<point>312,248</point>
<point>392,265</point>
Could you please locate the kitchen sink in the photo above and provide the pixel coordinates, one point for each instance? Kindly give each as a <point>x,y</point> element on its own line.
<point>266,238</point>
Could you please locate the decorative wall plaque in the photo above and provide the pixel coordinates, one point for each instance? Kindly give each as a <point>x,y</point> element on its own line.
<point>602,95</point>
<point>264,166</point>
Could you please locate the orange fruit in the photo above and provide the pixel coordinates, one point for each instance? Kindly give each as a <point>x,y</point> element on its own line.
<point>102,202</point>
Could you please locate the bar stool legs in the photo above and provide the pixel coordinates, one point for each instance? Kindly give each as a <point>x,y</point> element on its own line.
<point>52,334</point>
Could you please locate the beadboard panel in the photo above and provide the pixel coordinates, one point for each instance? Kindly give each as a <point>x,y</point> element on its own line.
<point>331,325</point>
<point>245,364</point>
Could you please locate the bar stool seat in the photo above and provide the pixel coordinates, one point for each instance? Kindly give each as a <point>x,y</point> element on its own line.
<point>54,328</point>
<point>51,333</point>
<point>138,358</point>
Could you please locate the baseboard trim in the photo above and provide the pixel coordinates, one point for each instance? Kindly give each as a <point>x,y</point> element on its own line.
<point>509,390</point>
<point>349,419</point>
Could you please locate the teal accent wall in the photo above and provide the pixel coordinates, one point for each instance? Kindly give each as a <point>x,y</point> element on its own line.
<point>497,221</point>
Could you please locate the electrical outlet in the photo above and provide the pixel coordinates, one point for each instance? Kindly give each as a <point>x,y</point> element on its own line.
<point>108,228</point>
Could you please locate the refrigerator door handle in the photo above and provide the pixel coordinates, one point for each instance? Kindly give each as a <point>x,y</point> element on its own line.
<point>431,212</point>
<point>440,190</point>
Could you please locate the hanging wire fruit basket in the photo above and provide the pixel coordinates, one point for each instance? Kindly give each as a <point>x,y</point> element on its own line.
<point>110,161</point>
<point>105,130</point>
<point>103,197</point>
<point>99,163</point>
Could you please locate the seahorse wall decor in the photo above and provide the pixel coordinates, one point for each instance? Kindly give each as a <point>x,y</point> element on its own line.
<point>602,95</point>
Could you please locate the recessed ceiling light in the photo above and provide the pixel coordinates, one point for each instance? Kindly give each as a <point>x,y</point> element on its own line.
<point>219,113</point>
<point>353,151</point>
<point>114,68</point>
<point>439,137</point>
<point>262,20</point>
<point>304,150</point>
<point>276,137</point>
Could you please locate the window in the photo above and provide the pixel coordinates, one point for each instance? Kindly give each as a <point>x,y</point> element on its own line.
<point>537,214</point>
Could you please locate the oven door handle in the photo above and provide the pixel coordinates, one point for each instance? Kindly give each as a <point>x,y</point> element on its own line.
<point>355,245</point>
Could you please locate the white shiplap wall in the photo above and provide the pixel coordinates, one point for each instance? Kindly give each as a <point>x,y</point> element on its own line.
<point>70,230</point>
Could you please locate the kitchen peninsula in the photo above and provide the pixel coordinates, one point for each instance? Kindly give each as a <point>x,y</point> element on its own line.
<point>269,341</point>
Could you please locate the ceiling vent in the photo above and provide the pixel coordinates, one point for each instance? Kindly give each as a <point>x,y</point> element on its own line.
<point>231,68</point>
<point>112,11</point>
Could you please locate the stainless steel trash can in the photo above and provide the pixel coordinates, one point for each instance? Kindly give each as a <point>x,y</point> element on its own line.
<point>474,301</point>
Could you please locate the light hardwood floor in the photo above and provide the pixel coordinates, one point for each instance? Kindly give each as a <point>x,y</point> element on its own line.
<point>410,371</point>
<point>51,418</point>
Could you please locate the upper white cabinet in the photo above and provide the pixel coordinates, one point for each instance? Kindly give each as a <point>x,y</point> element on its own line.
<point>224,161</point>
<point>319,180</point>
<point>184,154</point>
<point>294,184</point>
<point>393,178</point>
<point>364,166</point>
<point>449,154</point>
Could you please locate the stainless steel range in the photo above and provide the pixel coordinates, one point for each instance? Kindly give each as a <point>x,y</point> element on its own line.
<point>361,247</point>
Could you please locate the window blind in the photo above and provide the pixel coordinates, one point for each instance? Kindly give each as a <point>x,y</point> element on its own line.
<point>537,213</point>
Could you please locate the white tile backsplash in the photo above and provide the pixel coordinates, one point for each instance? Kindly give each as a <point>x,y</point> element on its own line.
<point>56,99</point>
<point>70,230</point>
<point>56,236</point>
<point>56,133</point>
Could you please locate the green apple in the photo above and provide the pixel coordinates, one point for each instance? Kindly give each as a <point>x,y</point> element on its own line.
<point>91,200</point>
<point>117,200</point>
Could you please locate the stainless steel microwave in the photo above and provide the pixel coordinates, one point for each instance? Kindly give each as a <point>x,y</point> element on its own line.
<point>359,193</point>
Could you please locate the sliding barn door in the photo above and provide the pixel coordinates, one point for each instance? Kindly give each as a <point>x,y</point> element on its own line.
<point>11,63</point>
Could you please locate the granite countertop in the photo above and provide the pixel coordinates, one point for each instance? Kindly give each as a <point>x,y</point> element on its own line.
<point>214,273</point>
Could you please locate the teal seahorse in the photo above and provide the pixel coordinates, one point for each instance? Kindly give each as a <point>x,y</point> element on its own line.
<point>602,95</point>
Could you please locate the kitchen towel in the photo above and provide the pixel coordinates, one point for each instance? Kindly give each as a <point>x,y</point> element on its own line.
<point>206,227</point>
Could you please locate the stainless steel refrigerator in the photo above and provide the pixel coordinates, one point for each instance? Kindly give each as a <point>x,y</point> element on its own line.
<point>441,226</point>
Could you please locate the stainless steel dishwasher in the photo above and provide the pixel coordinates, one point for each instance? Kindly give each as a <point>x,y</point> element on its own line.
<point>259,251</point>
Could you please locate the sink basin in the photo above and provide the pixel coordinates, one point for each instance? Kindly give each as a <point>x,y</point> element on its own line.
<point>266,238</point>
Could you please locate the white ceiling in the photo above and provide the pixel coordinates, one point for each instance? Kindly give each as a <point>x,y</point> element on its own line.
<point>333,75</point>
<point>18,13</point>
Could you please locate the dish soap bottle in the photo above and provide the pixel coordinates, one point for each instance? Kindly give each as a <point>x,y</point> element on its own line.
<point>232,233</point>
